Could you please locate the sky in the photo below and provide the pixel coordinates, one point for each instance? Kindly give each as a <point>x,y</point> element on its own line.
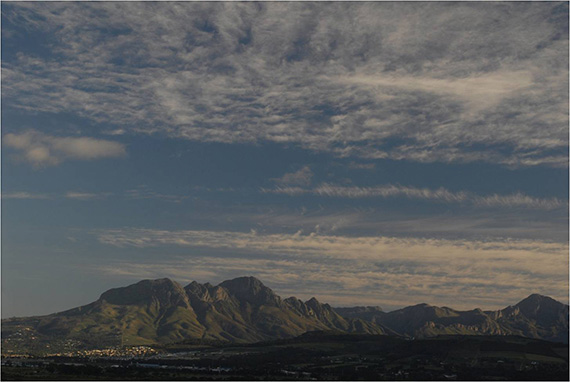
<point>363,153</point>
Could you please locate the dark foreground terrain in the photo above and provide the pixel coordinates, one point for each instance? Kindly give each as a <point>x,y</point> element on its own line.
<point>314,356</point>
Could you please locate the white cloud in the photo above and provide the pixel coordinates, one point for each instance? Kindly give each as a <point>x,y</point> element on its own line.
<point>480,91</point>
<point>24,195</point>
<point>340,246</point>
<point>517,200</point>
<point>477,82</point>
<point>141,192</point>
<point>440,194</point>
<point>85,195</point>
<point>40,149</point>
<point>301,177</point>
<point>356,270</point>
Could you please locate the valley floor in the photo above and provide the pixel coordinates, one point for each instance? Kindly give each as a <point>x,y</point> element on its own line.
<point>317,356</point>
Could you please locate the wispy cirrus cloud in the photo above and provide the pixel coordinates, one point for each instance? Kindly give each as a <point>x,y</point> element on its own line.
<point>144,192</point>
<point>141,192</point>
<point>328,245</point>
<point>41,150</point>
<point>419,82</point>
<point>24,195</point>
<point>520,200</point>
<point>86,195</point>
<point>516,200</point>
<point>341,269</point>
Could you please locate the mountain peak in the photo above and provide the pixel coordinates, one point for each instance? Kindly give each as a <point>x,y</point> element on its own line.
<point>248,281</point>
<point>535,297</point>
<point>537,304</point>
<point>164,290</point>
<point>243,309</point>
<point>197,289</point>
<point>312,301</point>
<point>421,306</point>
<point>535,300</point>
<point>157,282</point>
<point>205,292</point>
<point>251,290</point>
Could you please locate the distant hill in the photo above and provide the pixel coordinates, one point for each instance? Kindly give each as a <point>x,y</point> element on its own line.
<point>245,310</point>
<point>536,316</point>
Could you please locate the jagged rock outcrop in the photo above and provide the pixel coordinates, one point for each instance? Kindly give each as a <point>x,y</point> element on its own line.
<point>536,317</point>
<point>161,311</point>
<point>161,292</point>
<point>251,290</point>
<point>245,310</point>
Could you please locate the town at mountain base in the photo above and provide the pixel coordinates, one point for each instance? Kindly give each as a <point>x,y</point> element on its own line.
<point>244,310</point>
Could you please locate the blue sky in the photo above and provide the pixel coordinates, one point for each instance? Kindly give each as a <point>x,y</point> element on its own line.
<point>368,153</point>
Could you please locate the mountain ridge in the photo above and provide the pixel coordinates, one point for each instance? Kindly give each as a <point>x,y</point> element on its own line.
<point>245,310</point>
<point>536,316</point>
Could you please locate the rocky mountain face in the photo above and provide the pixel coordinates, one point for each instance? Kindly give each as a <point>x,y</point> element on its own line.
<point>161,311</point>
<point>245,310</point>
<point>535,317</point>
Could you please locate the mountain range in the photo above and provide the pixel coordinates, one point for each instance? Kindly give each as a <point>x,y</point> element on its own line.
<point>245,310</point>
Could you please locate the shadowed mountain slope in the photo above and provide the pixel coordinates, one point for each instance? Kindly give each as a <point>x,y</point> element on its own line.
<point>161,311</point>
<point>535,317</point>
<point>245,310</point>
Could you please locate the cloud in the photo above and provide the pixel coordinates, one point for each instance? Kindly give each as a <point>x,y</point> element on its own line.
<point>472,224</point>
<point>480,91</point>
<point>41,150</point>
<point>352,270</point>
<point>142,192</point>
<point>440,194</point>
<point>24,195</point>
<point>301,177</point>
<point>85,195</point>
<point>517,200</point>
<point>361,166</point>
<point>331,246</point>
<point>435,82</point>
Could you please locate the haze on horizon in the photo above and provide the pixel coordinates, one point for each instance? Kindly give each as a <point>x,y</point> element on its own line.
<point>362,153</point>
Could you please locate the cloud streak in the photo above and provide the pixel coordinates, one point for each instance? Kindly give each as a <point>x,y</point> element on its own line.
<point>516,200</point>
<point>86,195</point>
<point>138,193</point>
<point>24,195</point>
<point>42,150</point>
<point>348,270</point>
<point>480,92</point>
